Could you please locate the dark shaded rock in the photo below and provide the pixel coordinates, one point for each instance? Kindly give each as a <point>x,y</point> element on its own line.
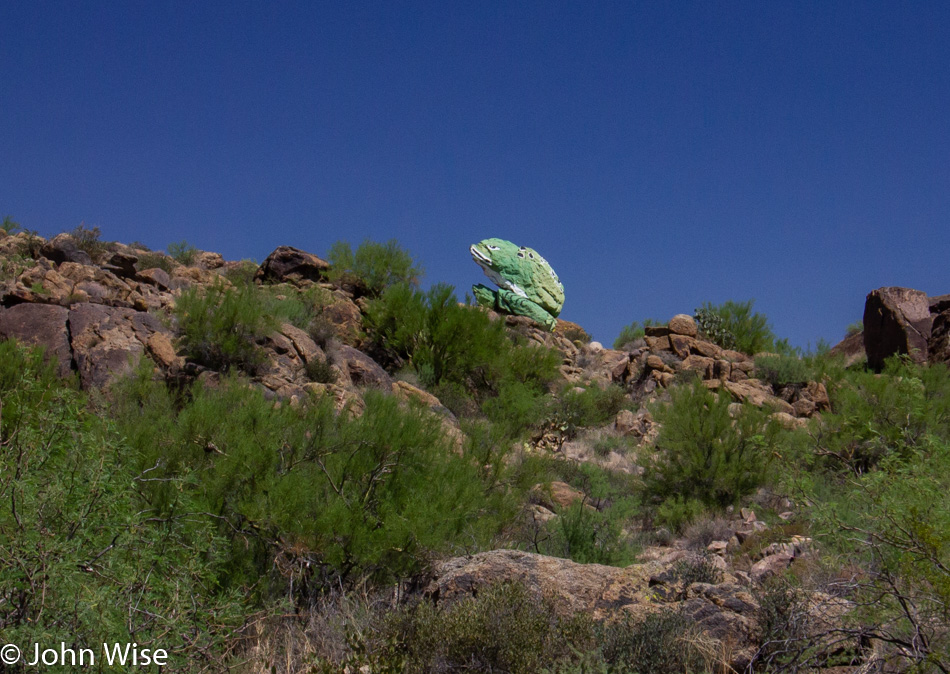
<point>939,304</point>
<point>156,277</point>
<point>289,264</point>
<point>364,371</point>
<point>939,346</point>
<point>122,264</point>
<point>851,348</point>
<point>896,321</point>
<point>43,325</point>
<point>63,248</point>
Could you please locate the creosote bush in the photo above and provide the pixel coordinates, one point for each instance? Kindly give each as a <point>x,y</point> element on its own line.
<point>705,455</point>
<point>633,332</point>
<point>183,253</point>
<point>733,325</point>
<point>374,266</point>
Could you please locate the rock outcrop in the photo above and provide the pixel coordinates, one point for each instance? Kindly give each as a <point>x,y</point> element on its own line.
<point>896,321</point>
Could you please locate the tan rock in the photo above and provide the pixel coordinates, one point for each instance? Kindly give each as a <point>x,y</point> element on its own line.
<point>163,352</point>
<point>700,364</point>
<point>305,347</point>
<point>625,422</point>
<point>661,343</point>
<point>406,391</point>
<point>557,495</point>
<point>788,421</point>
<point>803,407</point>
<point>681,345</point>
<point>704,348</point>
<point>818,394</point>
<point>682,324</point>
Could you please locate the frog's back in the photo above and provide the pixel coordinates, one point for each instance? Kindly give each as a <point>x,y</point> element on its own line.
<point>545,288</point>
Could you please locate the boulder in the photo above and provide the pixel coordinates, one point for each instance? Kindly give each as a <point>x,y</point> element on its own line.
<point>896,321</point>
<point>726,611</point>
<point>755,392</point>
<point>851,349</point>
<point>682,324</point>
<point>345,319</point>
<point>939,345</point>
<point>122,264</point>
<point>155,277</point>
<point>939,304</point>
<point>44,325</point>
<point>557,495</point>
<point>364,371</point>
<point>63,248</point>
<point>108,342</point>
<point>287,264</point>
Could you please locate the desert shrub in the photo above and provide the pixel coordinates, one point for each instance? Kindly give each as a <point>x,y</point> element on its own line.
<point>874,417</point>
<point>374,266</point>
<point>155,261</point>
<point>9,225</point>
<point>88,240</point>
<point>696,570</point>
<point>676,512</point>
<point>320,370</point>
<point>588,536</point>
<point>854,328</point>
<point>84,559</point>
<point>782,370</point>
<point>306,497</point>
<point>504,628</point>
<point>450,343</point>
<point>703,454</point>
<point>633,332</point>
<point>183,253</point>
<point>700,533</point>
<point>663,643</point>
<point>733,325</point>
<point>241,273</point>
<point>219,326</point>
<point>577,334</point>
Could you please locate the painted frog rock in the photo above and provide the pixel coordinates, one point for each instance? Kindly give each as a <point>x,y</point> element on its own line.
<point>527,284</point>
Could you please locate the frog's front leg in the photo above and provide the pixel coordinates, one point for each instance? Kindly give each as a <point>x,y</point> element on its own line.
<point>485,296</point>
<point>513,303</point>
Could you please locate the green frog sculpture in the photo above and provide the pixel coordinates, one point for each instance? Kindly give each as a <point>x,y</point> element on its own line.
<point>527,284</point>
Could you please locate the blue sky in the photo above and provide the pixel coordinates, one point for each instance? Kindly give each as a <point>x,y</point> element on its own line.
<point>658,154</point>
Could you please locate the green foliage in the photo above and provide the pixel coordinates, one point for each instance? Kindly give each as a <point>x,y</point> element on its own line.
<point>504,628</point>
<point>782,370</point>
<point>83,557</point>
<point>854,328</point>
<point>183,253</point>
<point>220,326</point>
<point>733,325</point>
<point>242,273</point>
<point>155,261</point>
<point>874,417</point>
<point>88,240</point>
<point>588,536</point>
<point>703,454</point>
<point>330,497</point>
<point>663,643</point>
<point>450,344</point>
<point>676,512</point>
<point>633,332</point>
<point>374,266</point>
<point>9,225</point>
<point>577,334</point>
<point>321,371</point>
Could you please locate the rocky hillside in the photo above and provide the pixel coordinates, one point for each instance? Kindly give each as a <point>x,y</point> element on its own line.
<point>579,465</point>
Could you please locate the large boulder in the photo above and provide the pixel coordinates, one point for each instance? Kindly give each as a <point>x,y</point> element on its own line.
<point>363,370</point>
<point>896,321</point>
<point>63,248</point>
<point>724,611</point>
<point>939,345</point>
<point>107,342</point>
<point>287,263</point>
<point>851,349</point>
<point>44,325</point>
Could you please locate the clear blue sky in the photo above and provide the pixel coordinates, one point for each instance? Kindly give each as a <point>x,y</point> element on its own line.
<point>659,154</point>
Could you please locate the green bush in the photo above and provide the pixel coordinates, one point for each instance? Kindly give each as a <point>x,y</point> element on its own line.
<point>374,266</point>
<point>84,559</point>
<point>661,643</point>
<point>320,370</point>
<point>219,326</point>
<point>241,273</point>
<point>504,628</point>
<point>183,253</point>
<point>9,225</point>
<point>88,239</point>
<point>329,497</point>
<point>703,454</point>
<point>782,370</point>
<point>633,332</point>
<point>854,328</point>
<point>733,325</point>
<point>155,261</point>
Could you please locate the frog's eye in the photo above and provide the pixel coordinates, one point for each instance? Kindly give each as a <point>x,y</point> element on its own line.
<point>531,255</point>
<point>553,275</point>
<point>521,255</point>
<point>492,247</point>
